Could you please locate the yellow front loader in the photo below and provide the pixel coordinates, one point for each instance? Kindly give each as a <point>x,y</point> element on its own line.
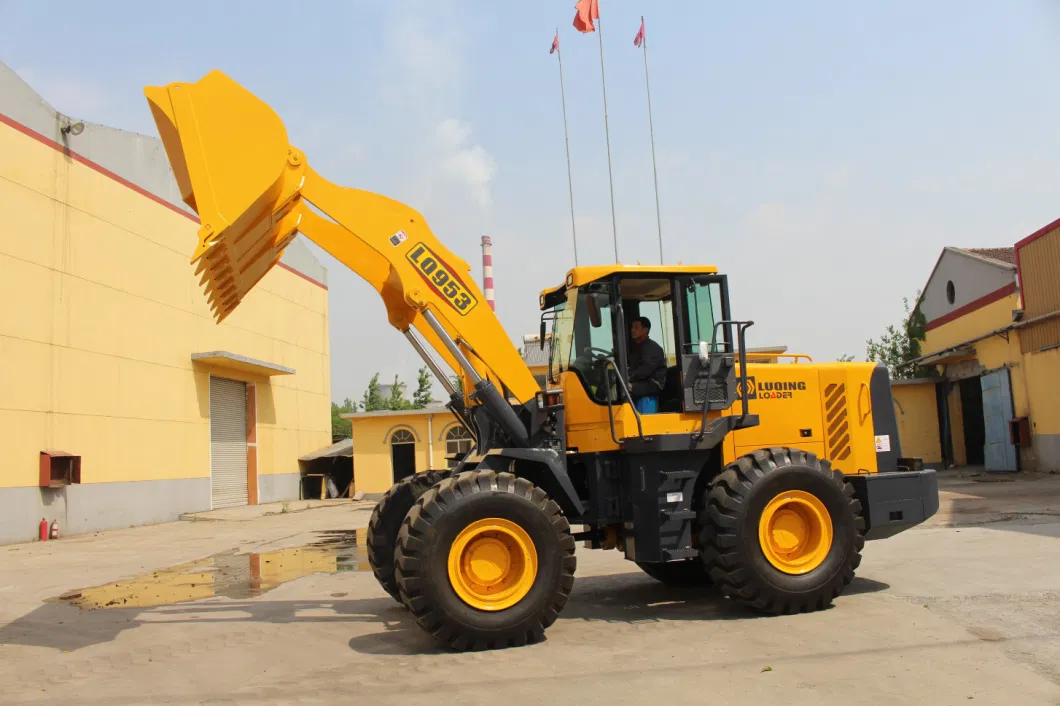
<point>764,479</point>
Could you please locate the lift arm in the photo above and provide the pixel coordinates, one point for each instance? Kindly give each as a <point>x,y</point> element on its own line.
<point>252,191</point>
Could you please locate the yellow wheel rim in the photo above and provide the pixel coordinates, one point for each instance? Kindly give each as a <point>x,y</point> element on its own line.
<point>492,564</point>
<point>795,532</point>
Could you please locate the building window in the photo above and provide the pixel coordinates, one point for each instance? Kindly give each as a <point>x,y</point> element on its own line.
<point>951,293</point>
<point>457,443</point>
<point>402,436</point>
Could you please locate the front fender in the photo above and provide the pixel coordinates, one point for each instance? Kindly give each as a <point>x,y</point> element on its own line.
<point>544,468</point>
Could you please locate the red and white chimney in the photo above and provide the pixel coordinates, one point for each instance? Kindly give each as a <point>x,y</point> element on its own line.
<point>487,271</point>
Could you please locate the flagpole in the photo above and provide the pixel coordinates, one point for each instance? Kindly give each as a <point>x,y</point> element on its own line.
<point>651,132</point>
<point>607,135</point>
<point>566,139</point>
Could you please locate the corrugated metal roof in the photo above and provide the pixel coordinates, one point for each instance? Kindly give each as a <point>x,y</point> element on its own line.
<point>339,448</point>
<point>534,355</point>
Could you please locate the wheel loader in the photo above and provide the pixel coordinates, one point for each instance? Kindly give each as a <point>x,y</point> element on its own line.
<point>761,478</point>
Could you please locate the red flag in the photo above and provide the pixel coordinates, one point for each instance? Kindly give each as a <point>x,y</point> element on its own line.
<point>555,43</point>
<point>639,39</point>
<point>588,10</point>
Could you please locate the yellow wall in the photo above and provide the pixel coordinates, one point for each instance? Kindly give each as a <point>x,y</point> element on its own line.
<point>916,409</point>
<point>372,466</point>
<point>975,323</point>
<point>1043,371</point>
<point>101,314</point>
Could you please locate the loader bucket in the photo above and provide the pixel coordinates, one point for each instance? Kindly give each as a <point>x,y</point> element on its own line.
<point>235,168</point>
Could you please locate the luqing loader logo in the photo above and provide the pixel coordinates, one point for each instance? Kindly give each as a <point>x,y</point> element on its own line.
<point>774,390</point>
<point>747,385</point>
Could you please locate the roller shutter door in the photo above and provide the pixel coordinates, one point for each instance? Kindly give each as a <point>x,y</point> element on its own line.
<point>228,442</point>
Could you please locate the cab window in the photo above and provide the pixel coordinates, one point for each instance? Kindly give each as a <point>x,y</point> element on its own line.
<point>583,322</point>
<point>652,298</point>
<point>703,307</point>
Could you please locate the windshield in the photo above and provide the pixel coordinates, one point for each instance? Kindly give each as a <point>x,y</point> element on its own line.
<point>573,328</point>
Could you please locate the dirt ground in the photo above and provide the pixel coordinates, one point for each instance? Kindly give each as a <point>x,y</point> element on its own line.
<point>256,605</point>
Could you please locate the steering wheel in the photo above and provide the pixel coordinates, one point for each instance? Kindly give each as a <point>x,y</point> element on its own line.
<point>591,361</point>
<point>603,354</point>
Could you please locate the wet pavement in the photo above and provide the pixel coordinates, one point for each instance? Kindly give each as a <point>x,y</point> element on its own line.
<point>229,574</point>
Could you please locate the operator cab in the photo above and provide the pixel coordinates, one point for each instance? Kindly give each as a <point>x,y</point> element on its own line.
<point>591,316</point>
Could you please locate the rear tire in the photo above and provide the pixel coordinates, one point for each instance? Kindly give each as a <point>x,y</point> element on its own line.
<point>385,523</point>
<point>745,553</point>
<point>692,572</point>
<point>443,588</point>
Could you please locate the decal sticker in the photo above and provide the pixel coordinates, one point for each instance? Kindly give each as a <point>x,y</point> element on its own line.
<point>883,443</point>
<point>674,497</point>
<point>441,278</point>
<point>398,238</point>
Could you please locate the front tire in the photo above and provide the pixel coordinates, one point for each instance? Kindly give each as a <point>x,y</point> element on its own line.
<point>385,523</point>
<point>485,560</point>
<point>782,531</point>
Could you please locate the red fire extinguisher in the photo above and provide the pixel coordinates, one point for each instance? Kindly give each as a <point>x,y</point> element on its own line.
<point>55,529</point>
<point>43,530</point>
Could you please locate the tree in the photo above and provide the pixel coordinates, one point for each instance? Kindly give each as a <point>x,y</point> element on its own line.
<point>423,395</point>
<point>458,383</point>
<point>846,358</point>
<point>373,399</point>
<point>899,346</point>
<point>397,400</point>
<point>342,428</point>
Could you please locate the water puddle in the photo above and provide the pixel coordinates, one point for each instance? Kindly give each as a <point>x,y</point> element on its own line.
<point>229,574</point>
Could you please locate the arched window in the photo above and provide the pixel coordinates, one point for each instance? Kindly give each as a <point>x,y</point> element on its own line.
<point>457,443</point>
<point>402,436</point>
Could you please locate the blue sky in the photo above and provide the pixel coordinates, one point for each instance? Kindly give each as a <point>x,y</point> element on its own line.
<point>821,155</point>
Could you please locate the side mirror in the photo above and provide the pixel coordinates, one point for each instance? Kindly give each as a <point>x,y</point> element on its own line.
<point>594,311</point>
<point>542,334</point>
<point>704,352</point>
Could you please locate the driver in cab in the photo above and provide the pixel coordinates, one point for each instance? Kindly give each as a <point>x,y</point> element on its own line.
<point>647,362</point>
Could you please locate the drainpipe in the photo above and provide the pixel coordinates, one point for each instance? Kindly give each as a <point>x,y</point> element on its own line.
<point>430,444</point>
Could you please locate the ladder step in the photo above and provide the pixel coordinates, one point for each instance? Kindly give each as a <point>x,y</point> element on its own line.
<point>678,515</point>
<point>673,554</point>
<point>678,475</point>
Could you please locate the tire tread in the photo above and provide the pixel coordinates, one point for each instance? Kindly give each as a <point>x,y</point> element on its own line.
<point>720,526</point>
<point>380,550</point>
<point>420,521</point>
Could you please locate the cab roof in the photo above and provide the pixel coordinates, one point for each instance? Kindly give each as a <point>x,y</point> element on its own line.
<point>577,276</point>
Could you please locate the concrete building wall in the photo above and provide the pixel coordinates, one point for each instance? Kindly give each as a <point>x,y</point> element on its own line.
<point>916,410</point>
<point>973,278</point>
<point>372,434</point>
<point>102,314</point>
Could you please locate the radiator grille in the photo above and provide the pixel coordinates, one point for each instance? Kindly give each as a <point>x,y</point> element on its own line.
<point>837,427</point>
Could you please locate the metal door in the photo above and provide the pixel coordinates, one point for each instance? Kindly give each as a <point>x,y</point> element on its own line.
<point>999,453</point>
<point>228,442</point>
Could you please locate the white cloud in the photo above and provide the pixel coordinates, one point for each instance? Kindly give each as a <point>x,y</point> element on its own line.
<point>468,162</point>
